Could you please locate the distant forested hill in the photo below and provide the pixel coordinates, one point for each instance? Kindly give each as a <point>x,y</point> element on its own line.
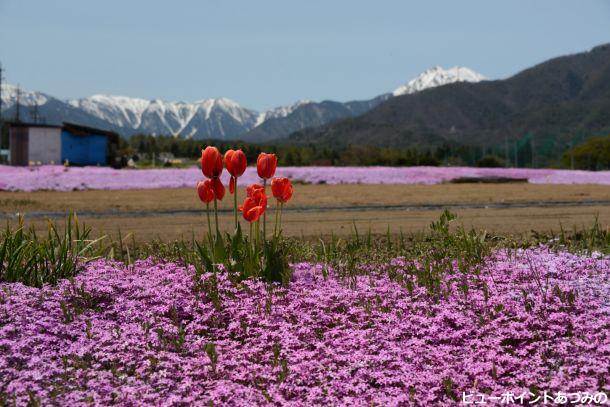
<point>556,100</point>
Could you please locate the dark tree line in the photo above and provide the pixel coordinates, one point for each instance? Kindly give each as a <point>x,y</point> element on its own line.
<point>288,155</point>
<point>528,151</point>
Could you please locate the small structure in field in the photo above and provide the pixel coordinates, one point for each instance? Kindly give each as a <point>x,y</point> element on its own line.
<point>35,144</point>
<point>82,145</point>
<point>492,179</point>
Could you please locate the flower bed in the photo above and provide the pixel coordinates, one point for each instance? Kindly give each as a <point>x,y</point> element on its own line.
<point>144,335</point>
<point>67,179</point>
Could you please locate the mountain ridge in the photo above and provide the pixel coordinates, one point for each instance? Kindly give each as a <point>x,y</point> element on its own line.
<point>206,118</point>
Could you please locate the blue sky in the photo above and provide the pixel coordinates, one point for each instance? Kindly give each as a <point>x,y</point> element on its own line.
<point>268,53</point>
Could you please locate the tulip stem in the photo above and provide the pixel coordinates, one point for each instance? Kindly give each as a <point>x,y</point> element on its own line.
<point>216,215</point>
<point>265,213</point>
<point>277,207</point>
<point>281,210</point>
<point>235,201</point>
<point>251,236</point>
<point>207,211</point>
<point>258,232</point>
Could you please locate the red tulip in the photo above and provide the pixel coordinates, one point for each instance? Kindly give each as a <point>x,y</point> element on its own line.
<point>218,188</point>
<point>211,162</point>
<point>255,204</point>
<point>281,189</point>
<point>205,191</point>
<point>254,189</point>
<point>251,211</point>
<point>235,161</point>
<point>266,165</point>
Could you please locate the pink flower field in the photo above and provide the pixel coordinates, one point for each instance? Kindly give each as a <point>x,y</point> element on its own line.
<point>58,178</point>
<point>152,334</point>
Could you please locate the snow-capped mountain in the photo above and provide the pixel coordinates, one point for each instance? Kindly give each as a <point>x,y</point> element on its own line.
<point>207,118</point>
<point>219,117</point>
<point>26,98</point>
<point>438,76</point>
<point>279,112</point>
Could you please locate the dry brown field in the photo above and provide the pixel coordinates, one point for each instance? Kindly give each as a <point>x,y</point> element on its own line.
<point>514,209</point>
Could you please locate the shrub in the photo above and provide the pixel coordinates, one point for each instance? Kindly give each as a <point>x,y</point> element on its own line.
<point>593,154</point>
<point>490,161</point>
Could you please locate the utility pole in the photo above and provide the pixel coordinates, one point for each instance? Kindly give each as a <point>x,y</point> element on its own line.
<point>1,78</point>
<point>18,105</point>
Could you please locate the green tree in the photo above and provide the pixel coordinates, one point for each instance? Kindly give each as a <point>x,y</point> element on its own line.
<point>593,154</point>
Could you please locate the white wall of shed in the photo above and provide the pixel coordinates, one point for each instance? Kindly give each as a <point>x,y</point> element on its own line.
<point>44,145</point>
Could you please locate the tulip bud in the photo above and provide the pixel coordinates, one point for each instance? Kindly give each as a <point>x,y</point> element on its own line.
<point>211,162</point>
<point>266,165</point>
<point>281,189</point>
<point>205,191</point>
<point>236,163</point>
